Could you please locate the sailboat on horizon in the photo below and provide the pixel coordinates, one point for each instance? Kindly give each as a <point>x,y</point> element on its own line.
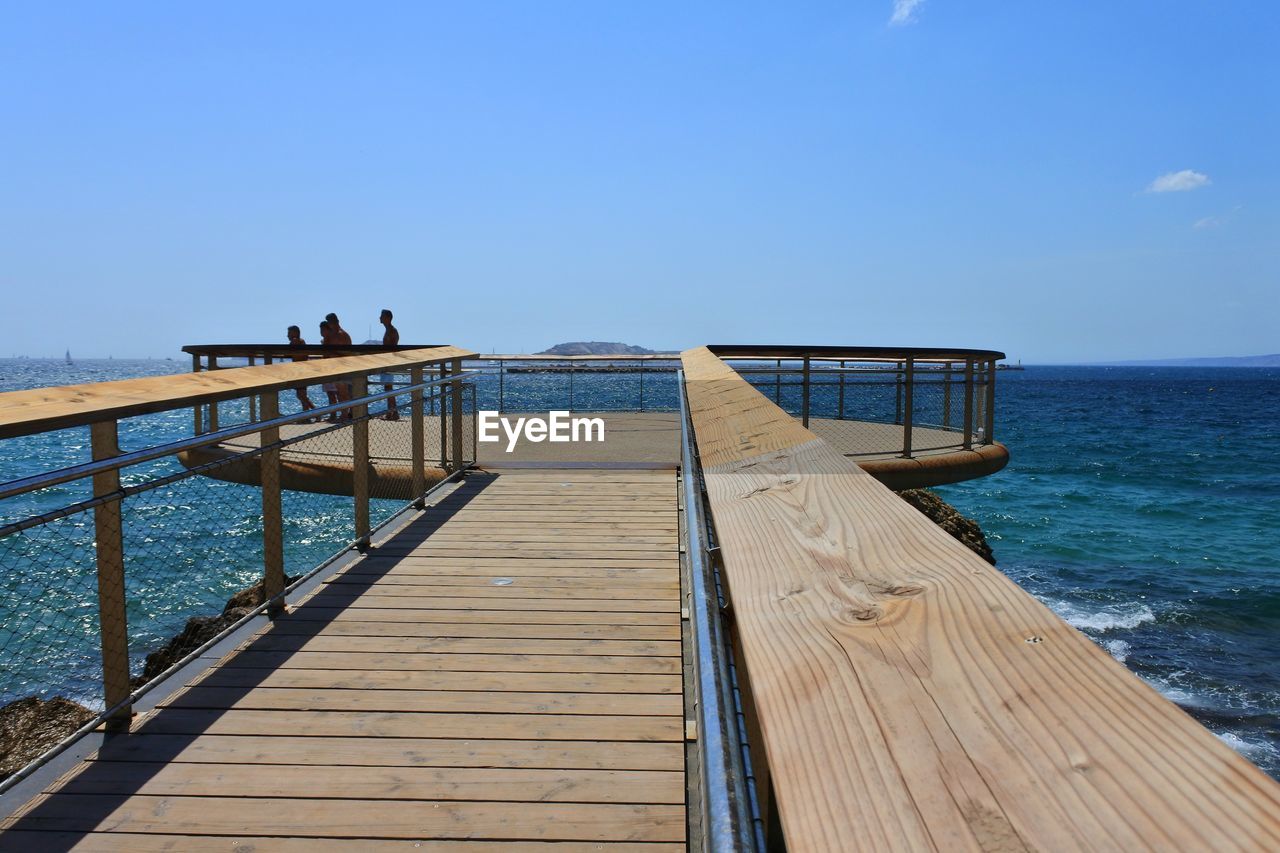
<point>69,361</point>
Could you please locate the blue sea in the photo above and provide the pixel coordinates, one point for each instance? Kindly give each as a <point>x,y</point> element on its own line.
<point>1141,504</point>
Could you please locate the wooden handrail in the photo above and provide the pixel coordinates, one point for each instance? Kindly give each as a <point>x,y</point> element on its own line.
<point>909,696</point>
<point>44,409</point>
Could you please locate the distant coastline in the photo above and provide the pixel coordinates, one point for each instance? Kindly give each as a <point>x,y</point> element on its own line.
<point>1224,361</point>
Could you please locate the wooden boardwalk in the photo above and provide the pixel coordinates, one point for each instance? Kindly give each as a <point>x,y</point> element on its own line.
<point>502,673</point>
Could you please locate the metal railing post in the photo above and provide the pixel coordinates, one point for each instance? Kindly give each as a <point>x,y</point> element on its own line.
<point>109,547</point>
<point>502,373</point>
<point>946,397</point>
<point>989,435</point>
<point>897,382</point>
<point>571,386</point>
<point>455,415</point>
<point>360,459</point>
<point>804,400</point>
<point>417,436</point>
<point>272,517</point>
<point>444,419</point>
<point>840,416</point>
<point>198,410</point>
<point>253,398</point>
<point>777,382</point>
<point>908,407</point>
<point>968,403</point>
<point>642,386</point>
<point>213,407</point>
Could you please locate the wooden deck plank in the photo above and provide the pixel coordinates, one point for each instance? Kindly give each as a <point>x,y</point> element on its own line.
<point>113,842</point>
<point>910,696</point>
<point>330,596</point>
<point>524,631</point>
<point>359,751</point>
<point>298,655</point>
<point>595,727</point>
<point>487,784</point>
<point>306,818</point>
<point>532,649</point>
<point>263,698</point>
<point>409,700</point>
<point>486,617</point>
<point>413,680</point>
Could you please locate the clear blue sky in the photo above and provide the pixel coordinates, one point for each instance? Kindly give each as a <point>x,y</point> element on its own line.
<point>511,175</point>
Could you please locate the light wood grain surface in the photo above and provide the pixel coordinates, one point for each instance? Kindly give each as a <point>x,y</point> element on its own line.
<point>411,699</point>
<point>43,409</point>
<point>910,697</point>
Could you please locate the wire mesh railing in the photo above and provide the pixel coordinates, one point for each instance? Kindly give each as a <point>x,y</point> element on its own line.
<point>865,407</point>
<point>119,567</point>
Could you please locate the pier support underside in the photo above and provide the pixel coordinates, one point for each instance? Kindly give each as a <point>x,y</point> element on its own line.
<point>323,464</point>
<point>503,669</point>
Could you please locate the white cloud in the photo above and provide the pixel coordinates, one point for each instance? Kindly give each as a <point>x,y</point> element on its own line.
<point>1208,222</point>
<point>1179,182</point>
<point>904,12</point>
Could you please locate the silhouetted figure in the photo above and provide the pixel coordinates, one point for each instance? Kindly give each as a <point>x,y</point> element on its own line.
<point>339,338</point>
<point>390,338</point>
<point>295,340</point>
<point>330,388</point>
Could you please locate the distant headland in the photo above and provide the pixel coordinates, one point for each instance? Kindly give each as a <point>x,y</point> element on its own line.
<point>596,348</point>
<point>1225,361</point>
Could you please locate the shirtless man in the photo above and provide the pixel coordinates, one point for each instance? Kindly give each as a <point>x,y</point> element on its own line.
<point>390,338</point>
<point>330,388</point>
<point>339,338</point>
<point>295,340</point>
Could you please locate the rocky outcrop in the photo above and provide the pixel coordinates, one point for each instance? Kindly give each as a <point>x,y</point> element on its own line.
<point>943,514</point>
<point>32,726</point>
<point>200,630</point>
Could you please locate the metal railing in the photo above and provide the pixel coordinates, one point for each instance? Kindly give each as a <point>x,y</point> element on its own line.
<point>103,561</point>
<point>731,819</point>
<point>614,383</point>
<point>879,401</point>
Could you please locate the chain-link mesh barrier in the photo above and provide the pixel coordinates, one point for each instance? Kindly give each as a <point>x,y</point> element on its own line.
<point>864,409</point>
<point>186,558</point>
<point>601,385</point>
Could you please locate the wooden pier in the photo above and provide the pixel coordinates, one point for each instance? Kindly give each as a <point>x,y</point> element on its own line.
<point>504,668</point>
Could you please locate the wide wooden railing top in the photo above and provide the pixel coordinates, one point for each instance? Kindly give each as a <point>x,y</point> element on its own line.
<point>44,409</point>
<point>910,696</point>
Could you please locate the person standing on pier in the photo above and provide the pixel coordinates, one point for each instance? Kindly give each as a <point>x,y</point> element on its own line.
<point>330,388</point>
<point>339,338</point>
<point>390,338</point>
<point>295,340</point>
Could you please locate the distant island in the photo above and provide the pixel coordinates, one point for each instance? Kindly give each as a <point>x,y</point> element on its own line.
<point>596,348</point>
<point>1225,361</point>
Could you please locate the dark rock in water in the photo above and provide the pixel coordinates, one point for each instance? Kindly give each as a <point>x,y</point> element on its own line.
<point>200,630</point>
<point>943,514</point>
<point>32,726</point>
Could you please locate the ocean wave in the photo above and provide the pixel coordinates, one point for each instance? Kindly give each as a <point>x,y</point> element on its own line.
<point>1118,649</point>
<point>1117,617</point>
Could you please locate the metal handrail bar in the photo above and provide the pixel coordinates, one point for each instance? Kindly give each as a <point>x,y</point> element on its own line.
<point>137,457</point>
<point>728,824</point>
<point>724,351</point>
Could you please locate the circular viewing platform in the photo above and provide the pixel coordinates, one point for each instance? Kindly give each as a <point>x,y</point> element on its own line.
<point>324,464</point>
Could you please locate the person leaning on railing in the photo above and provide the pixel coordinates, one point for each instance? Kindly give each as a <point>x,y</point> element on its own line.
<point>295,340</point>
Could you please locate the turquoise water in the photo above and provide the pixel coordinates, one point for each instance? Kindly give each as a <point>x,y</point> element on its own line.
<point>1141,505</point>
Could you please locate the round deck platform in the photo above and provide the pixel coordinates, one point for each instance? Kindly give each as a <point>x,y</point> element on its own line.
<point>323,464</point>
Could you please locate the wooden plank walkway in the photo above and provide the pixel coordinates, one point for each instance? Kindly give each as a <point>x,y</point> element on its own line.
<point>502,674</point>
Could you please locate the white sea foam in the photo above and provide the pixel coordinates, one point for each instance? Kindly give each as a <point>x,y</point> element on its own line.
<point>1106,619</point>
<point>1118,649</point>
